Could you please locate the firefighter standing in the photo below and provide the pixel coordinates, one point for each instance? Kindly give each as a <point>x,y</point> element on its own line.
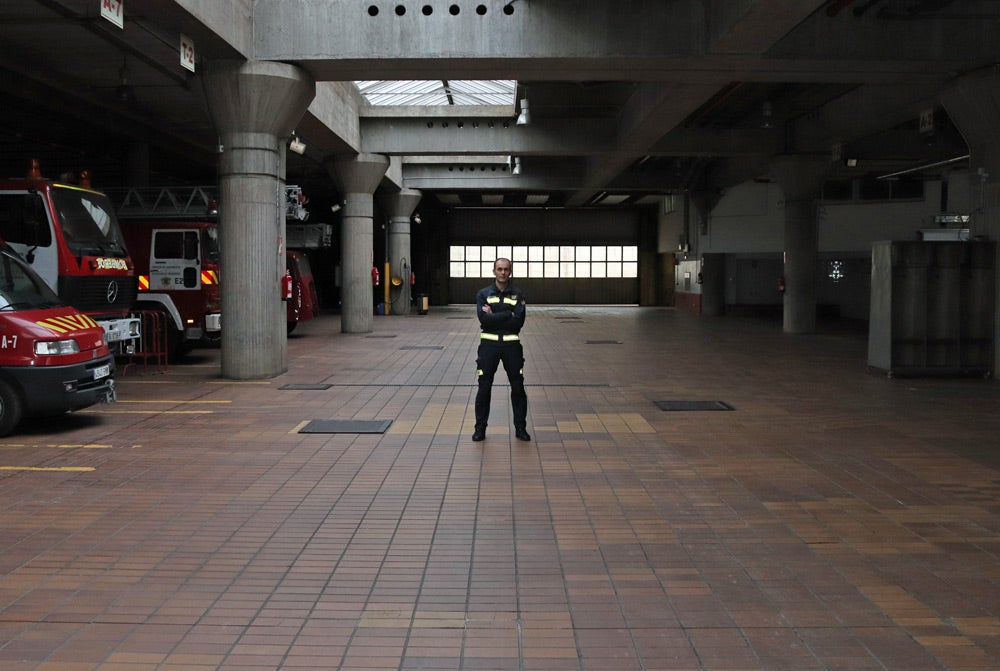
<point>500,309</point>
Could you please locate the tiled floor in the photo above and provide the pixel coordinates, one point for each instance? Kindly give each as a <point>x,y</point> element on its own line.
<point>834,520</point>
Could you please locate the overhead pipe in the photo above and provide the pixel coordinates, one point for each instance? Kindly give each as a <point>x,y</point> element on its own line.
<point>928,166</point>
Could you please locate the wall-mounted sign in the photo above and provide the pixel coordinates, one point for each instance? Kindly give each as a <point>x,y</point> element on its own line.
<point>187,53</point>
<point>113,11</point>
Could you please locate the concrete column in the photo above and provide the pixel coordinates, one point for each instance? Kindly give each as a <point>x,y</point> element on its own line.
<point>973,103</point>
<point>800,178</point>
<point>255,106</point>
<point>713,266</point>
<point>713,284</point>
<point>357,176</point>
<point>399,207</point>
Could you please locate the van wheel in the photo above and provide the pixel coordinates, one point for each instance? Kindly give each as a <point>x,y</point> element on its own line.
<point>11,408</point>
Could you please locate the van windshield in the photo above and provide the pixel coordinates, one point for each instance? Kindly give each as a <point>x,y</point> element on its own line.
<point>88,223</point>
<point>21,288</point>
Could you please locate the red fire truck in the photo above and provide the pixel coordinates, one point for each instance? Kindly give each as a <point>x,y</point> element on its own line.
<point>172,233</point>
<point>303,303</point>
<point>53,358</point>
<point>173,238</point>
<point>69,234</point>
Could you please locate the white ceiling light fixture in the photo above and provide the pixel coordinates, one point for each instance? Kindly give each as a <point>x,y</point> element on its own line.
<point>297,145</point>
<point>524,118</point>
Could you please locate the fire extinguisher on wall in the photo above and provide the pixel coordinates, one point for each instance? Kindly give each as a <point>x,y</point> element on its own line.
<point>413,278</point>
<point>375,276</point>
<point>286,286</point>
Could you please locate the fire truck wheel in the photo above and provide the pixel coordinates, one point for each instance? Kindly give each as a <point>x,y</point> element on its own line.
<point>11,408</point>
<point>177,347</point>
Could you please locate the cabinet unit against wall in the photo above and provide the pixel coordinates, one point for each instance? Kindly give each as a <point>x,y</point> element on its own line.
<point>932,307</point>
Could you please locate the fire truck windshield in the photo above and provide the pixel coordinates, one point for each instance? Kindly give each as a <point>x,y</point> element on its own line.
<point>88,223</point>
<point>212,244</point>
<point>20,287</point>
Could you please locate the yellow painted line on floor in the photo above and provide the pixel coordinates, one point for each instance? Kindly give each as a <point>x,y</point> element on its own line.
<point>121,380</point>
<point>238,382</point>
<point>298,427</point>
<point>68,446</point>
<point>170,401</point>
<point>151,411</point>
<point>56,469</point>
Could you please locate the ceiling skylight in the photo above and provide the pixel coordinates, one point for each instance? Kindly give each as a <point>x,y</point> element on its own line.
<point>439,92</point>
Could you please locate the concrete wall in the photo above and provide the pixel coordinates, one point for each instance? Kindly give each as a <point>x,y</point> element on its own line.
<point>232,21</point>
<point>747,226</point>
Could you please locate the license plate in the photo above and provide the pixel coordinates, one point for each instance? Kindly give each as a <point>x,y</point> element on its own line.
<point>114,336</point>
<point>102,371</point>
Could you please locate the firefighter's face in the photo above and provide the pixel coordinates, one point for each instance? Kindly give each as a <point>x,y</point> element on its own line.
<point>501,270</point>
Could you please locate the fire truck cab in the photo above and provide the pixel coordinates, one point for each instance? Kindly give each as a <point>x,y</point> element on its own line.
<point>174,241</point>
<point>53,358</point>
<point>69,234</point>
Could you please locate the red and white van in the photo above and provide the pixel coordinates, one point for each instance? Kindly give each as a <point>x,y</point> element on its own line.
<point>53,358</point>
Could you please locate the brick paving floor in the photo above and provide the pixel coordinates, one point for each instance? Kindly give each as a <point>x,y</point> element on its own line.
<point>834,520</point>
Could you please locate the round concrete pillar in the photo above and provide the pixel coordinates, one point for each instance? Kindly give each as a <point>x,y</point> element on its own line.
<point>255,105</point>
<point>712,280</point>
<point>399,207</point>
<point>801,179</point>
<point>973,103</point>
<point>357,177</point>
<point>713,284</point>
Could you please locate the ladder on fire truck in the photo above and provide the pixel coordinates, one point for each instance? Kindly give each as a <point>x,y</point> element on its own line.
<point>188,202</point>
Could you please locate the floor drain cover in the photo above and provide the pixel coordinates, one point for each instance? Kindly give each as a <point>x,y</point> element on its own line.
<point>346,426</point>
<point>604,342</point>
<point>693,405</point>
<point>306,387</point>
<point>422,347</point>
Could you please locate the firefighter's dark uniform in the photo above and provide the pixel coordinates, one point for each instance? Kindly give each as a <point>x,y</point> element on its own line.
<point>500,341</point>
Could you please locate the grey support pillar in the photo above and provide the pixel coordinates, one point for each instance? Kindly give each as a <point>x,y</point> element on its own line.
<point>973,103</point>
<point>255,106</point>
<point>713,266</point>
<point>399,207</point>
<point>358,177</point>
<point>801,179</point>
<point>713,284</point>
